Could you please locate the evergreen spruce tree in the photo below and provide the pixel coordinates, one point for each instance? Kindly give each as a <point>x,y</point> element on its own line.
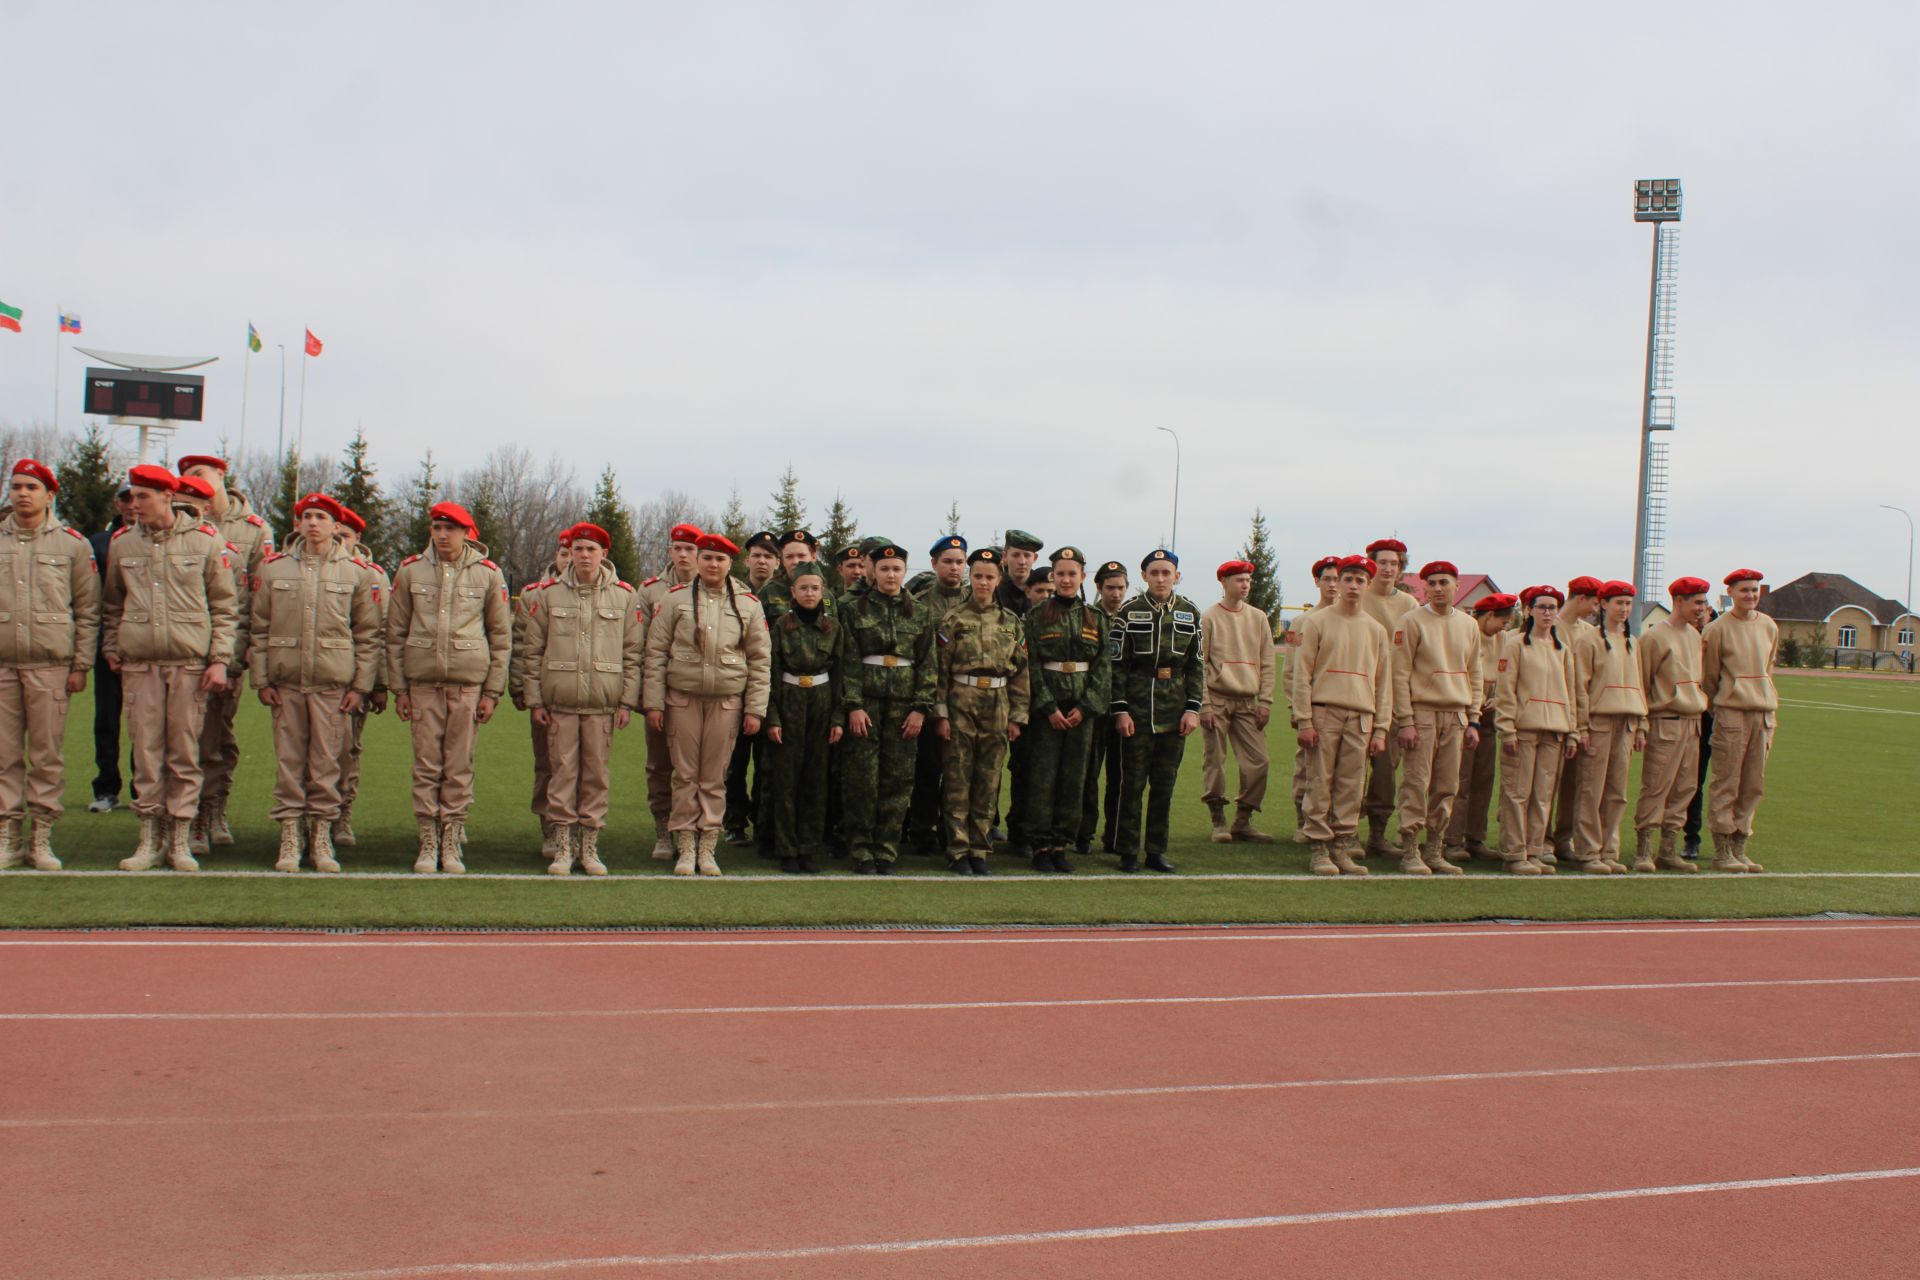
<point>279,513</point>
<point>359,489</point>
<point>611,513</point>
<point>842,529</point>
<point>953,516</point>
<point>788,511</point>
<point>1258,551</point>
<point>733,523</point>
<point>412,527</point>
<point>87,483</point>
<point>484,507</point>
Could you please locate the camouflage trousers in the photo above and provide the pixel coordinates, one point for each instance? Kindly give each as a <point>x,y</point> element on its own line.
<point>876,777</point>
<point>970,783</point>
<point>796,789</point>
<point>1056,781</point>
<point>1150,764</point>
<point>1103,761</point>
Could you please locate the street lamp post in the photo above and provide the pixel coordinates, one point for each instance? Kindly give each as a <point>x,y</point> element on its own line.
<point>1655,200</point>
<point>1173,538</point>
<point>1909,515</point>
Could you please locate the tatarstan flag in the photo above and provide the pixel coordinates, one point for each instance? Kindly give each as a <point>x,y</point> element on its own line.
<point>9,317</point>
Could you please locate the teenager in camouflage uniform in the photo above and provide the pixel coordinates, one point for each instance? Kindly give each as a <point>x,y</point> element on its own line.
<point>1103,750</point>
<point>886,688</point>
<point>1158,680</point>
<point>981,705</point>
<point>1067,645</point>
<point>944,590</point>
<point>803,717</point>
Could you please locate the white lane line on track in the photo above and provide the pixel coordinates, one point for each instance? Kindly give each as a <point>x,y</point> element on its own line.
<point>955,1006</point>
<point>933,877</point>
<point>969,937</point>
<point>1847,706</point>
<point>950,1099</point>
<point>1076,1234</point>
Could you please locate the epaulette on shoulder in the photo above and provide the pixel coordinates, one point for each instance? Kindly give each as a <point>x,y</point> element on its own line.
<point>676,587</point>
<point>253,518</point>
<point>749,595</point>
<point>489,564</point>
<point>650,581</point>
<point>76,533</point>
<point>410,559</point>
<point>356,560</point>
<point>125,528</point>
<point>625,585</point>
<point>206,526</point>
<point>233,548</point>
<point>275,555</point>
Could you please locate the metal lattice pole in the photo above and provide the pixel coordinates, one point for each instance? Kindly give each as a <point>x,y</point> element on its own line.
<point>1656,201</point>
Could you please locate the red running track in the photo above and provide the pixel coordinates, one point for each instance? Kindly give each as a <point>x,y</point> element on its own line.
<point>1727,1100</point>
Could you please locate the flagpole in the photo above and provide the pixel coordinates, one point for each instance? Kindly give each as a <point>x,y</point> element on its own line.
<point>280,440</point>
<point>300,434</point>
<point>246,374</point>
<point>58,336</point>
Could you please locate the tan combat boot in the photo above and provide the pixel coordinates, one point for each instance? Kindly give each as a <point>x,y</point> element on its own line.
<point>1524,866</point>
<point>1456,853</point>
<point>197,838</point>
<point>683,852</point>
<point>1321,861</point>
<point>1670,859</point>
<point>1411,863</point>
<point>662,846</point>
<point>1377,842</point>
<point>451,834</point>
<point>1300,826</point>
<point>180,845</point>
<point>1724,857</point>
<point>1344,847</point>
<point>11,855</point>
<point>1594,866</point>
<point>1218,814</point>
<point>343,836</point>
<point>146,854</point>
<point>41,854</point>
<point>549,843</point>
<point>558,847</point>
<point>219,833</point>
<point>1739,851</point>
<point>320,846</point>
<point>428,860</point>
<point>1549,866</point>
<point>1643,849</point>
<point>590,863</point>
<point>1434,855</point>
<point>289,859</point>
<point>1242,828</point>
<point>708,841</point>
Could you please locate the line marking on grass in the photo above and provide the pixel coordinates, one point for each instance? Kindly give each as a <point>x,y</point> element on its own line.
<point>963,936</point>
<point>536,877</point>
<point>950,1099</point>
<point>1847,706</point>
<point>1077,1234</point>
<point>931,1006</point>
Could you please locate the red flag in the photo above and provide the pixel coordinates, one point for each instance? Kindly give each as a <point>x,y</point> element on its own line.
<point>313,344</point>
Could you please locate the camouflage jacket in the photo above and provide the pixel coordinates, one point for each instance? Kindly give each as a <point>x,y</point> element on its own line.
<point>1070,634</point>
<point>883,627</point>
<point>1158,673</point>
<point>989,641</point>
<point>803,650</point>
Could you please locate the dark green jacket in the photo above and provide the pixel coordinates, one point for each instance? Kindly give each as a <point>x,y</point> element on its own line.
<point>878,625</point>
<point>1068,631</point>
<point>1158,674</point>
<point>802,649</point>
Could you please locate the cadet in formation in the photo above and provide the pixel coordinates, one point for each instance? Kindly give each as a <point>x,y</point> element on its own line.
<point>1613,730</point>
<point>1326,579</point>
<point>926,822</point>
<point>1158,682</point>
<point>1386,604</point>
<point>517,690</point>
<point>683,548</point>
<point>886,689</point>
<point>981,705</point>
<point>1467,832</point>
<point>352,525</point>
<point>1436,688</point>
<point>1100,797</point>
<point>804,721</point>
<point>1342,708</point>
<point>1738,653</point>
<point>1538,700</point>
<point>1071,688</point>
<point>1237,643</point>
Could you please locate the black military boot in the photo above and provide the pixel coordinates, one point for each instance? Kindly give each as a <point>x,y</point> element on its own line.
<point>1042,860</point>
<point>804,865</point>
<point>1158,862</point>
<point>790,866</point>
<point>1059,859</point>
<point>960,866</point>
<point>979,865</point>
<point>1129,863</point>
<point>882,867</point>
<point>1083,847</point>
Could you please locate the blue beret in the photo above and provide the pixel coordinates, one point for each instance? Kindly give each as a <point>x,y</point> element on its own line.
<point>952,542</point>
<point>1160,553</point>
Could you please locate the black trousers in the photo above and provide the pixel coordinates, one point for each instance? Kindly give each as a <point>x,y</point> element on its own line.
<point>106,730</point>
<point>1692,827</point>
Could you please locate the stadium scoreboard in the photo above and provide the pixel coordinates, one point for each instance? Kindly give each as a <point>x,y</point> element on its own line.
<point>135,393</point>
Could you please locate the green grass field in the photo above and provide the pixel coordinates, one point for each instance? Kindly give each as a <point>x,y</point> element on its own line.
<point>1841,798</point>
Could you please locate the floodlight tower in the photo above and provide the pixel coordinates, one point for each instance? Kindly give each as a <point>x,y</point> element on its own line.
<point>1656,200</point>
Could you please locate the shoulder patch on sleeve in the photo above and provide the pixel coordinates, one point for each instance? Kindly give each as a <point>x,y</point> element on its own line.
<point>1503,664</point>
<point>1399,636</point>
<point>233,548</point>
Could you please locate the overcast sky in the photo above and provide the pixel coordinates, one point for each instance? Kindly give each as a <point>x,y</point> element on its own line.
<point>1375,264</point>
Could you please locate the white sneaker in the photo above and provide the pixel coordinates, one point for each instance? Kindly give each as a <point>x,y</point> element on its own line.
<point>102,804</point>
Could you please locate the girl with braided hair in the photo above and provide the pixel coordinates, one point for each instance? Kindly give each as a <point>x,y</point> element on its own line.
<point>1538,703</point>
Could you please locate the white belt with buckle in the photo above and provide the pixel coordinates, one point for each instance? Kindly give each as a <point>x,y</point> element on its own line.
<point>1068,668</point>
<point>982,682</point>
<point>886,660</point>
<point>805,682</point>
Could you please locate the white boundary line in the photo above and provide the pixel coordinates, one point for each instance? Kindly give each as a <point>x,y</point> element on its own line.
<point>958,936</point>
<point>1016,876</point>
<point>951,1099</point>
<point>950,1006</point>
<point>1847,706</point>
<point>1132,1231</point>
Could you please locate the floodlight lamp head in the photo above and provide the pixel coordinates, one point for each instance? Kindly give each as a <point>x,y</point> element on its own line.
<point>1656,200</point>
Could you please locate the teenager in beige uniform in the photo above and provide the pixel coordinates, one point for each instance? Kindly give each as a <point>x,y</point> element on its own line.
<point>1326,578</point>
<point>1436,688</point>
<point>582,670</point>
<point>517,689</point>
<point>1538,703</point>
<point>708,664</point>
<point>1615,726</point>
<point>1577,628</point>
<point>316,644</point>
<point>1386,604</point>
<point>1670,656</point>
<point>49,634</point>
<point>167,628</point>
<point>1740,648</point>
<point>1236,703</point>
<point>449,630</point>
<point>1467,833</point>
<point>682,548</point>
<point>252,542</point>
<point>351,526</point>
<point>1341,717</point>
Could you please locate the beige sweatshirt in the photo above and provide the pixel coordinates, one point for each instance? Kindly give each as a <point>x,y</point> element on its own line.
<point>1237,650</point>
<point>1737,662</point>
<point>1670,657</point>
<point>1612,680</point>
<point>1387,610</point>
<point>1344,662</point>
<point>1538,685</point>
<point>1435,661</point>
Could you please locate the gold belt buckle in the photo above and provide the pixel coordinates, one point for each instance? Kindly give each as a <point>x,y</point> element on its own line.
<point>804,682</point>
<point>983,682</point>
<point>889,660</point>
<point>1163,673</point>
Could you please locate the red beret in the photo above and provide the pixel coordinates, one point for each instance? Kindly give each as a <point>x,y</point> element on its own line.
<point>1232,567</point>
<point>1357,564</point>
<point>38,470</point>
<point>1386,544</point>
<point>685,533</point>
<point>352,519</point>
<point>1689,587</point>
<point>566,536</point>
<point>1323,564</point>
<point>194,487</point>
<point>592,533</point>
<point>1745,575</point>
<point>1531,594</point>
<point>203,460</point>
<point>1584,586</point>
<point>717,542</point>
<point>1615,589</point>
<point>454,513</point>
<point>1498,602</point>
<point>320,502</point>
<point>1432,567</point>
<point>146,476</point>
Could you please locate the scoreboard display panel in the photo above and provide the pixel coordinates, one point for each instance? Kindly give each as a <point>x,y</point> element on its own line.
<point>132,393</point>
